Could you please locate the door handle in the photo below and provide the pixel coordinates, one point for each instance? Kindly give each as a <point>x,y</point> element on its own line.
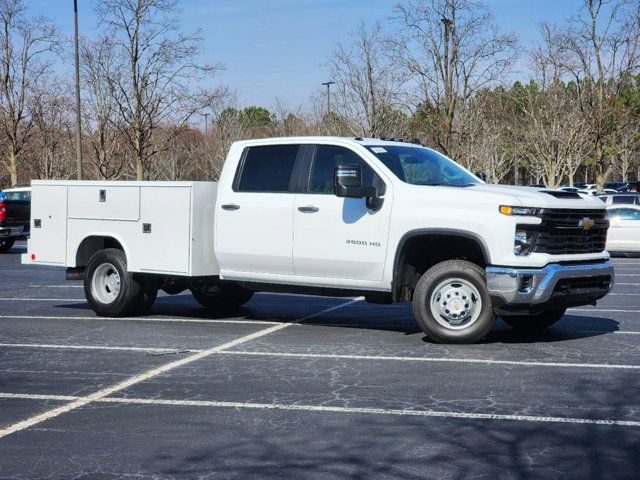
<point>230,206</point>
<point>308,209</point>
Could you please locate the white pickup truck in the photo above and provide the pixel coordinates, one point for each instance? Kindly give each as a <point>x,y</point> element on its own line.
<point>389,220</point>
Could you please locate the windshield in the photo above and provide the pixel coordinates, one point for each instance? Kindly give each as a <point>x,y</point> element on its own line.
<point>421,166</point>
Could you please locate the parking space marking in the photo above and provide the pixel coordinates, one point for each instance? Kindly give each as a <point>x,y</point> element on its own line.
<point>615,310</point>
<point>329,409</point>
<point>435,360</point>
<point>106,392</point>
<point>22,299</point>
<point>524,363</point>
<point>144,319</point>
<point>55,286</point>
<point>97,347</point>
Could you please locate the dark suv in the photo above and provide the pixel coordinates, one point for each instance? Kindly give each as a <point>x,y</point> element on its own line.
<point>15,214</point>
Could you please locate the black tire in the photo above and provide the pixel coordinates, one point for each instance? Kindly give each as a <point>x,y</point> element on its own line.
<point>6,244</point>
<point>130,292</point>
<point>434,328</point>
<point>148,297</point>
<point>221,296</point>
<point>537,321</point>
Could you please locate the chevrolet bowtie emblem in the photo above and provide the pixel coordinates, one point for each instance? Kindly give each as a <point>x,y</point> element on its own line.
<point>585,223</point>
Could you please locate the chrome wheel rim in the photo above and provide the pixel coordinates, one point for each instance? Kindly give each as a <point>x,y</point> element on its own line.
<point>455,304</point>
<point>105,285</point>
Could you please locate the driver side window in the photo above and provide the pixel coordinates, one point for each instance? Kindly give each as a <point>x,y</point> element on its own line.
<point>326,158</point>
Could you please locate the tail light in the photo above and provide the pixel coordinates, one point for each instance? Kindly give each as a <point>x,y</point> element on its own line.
<point>3,211</point>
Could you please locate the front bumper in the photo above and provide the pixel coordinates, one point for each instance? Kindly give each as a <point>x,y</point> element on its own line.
<point>554,286</point>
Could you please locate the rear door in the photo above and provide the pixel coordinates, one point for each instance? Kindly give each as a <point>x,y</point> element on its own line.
<point>254,218</point>
<point>339,239</point>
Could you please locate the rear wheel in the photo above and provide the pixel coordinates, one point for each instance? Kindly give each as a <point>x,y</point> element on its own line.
<point>538,321</point>
<point>111,290</point>
<point>6,244</point>
<point>451,303</point>
<point>221,296</point>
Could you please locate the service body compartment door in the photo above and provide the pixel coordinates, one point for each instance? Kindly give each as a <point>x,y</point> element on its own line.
<point>48,241</point>
<point>163,241</point>
<point>104,202</point>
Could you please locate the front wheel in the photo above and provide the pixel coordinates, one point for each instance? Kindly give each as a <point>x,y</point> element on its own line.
<point>110,289</point>
<point>213,297</point>
<point>538,321</point>
<point>6,244</point>
<point>451,303</point>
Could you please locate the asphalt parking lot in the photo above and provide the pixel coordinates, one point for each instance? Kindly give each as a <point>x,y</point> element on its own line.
<point>308,387</point>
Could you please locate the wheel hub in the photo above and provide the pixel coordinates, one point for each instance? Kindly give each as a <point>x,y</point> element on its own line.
<point>455,304</point>
<point>105,285</point>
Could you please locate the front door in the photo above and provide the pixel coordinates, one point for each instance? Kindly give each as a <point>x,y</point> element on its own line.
<point>339,238</point>
<point>254,219</point>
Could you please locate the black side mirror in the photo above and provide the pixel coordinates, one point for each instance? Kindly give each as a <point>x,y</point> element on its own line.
<point>347,182</point>
<point>482,176</point>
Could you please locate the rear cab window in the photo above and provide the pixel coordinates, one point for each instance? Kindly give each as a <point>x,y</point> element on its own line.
<point>17,196</point>
<point>267,169</point>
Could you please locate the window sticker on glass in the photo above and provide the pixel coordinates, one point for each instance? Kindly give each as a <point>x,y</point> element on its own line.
<point>378,150</point>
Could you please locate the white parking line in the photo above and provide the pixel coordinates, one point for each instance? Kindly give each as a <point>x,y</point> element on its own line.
<point>524,363</point>
<point>106,392</point>
<point>143,319</point>
<point>436,360</point>
<point>629,284</point>
<point>55,286</point>
<point>328,409</point>
<point>22,299</point>
<point>613,310</point>
<point>96,347</point>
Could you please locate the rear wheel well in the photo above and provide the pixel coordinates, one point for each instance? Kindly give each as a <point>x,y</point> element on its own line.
<point>93,244</point>
<point>420,252</point>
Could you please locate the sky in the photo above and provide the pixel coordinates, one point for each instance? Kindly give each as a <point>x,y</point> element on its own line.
<point>279,48</point>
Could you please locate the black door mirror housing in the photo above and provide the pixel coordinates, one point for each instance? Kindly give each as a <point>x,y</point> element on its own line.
<point>482,176</point>
<point>347,183</point>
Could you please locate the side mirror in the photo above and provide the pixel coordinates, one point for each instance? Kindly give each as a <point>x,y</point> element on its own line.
<point>482,176</point>
<point>347,183</point>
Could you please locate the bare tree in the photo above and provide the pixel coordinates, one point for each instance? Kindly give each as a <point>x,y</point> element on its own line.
<point>367,88</point>
<point>24,42</point>
<point>449,49</point>
<point>51,147</point>
<point>602,46</point>
<point>102,124</point>
<point>153,84</point>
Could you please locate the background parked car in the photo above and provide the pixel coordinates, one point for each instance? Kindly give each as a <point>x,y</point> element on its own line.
<point>15,215</point>
<point>621,199</point>
<point>624,229</point>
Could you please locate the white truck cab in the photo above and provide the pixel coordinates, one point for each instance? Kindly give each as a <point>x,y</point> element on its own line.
<point>390,220</point>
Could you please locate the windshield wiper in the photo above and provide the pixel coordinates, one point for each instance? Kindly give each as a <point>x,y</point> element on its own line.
<point>444,184</point>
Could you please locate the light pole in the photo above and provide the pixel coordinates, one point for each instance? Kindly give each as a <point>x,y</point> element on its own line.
<point>78,119</point>
<point>328,85</point>
<point>206,145</point>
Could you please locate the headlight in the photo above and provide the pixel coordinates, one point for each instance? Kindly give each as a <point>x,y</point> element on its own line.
<point>507,210</point>
<point>524,241</point>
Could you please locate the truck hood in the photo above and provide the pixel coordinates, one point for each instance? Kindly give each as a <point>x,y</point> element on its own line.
<point>538,197</point>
